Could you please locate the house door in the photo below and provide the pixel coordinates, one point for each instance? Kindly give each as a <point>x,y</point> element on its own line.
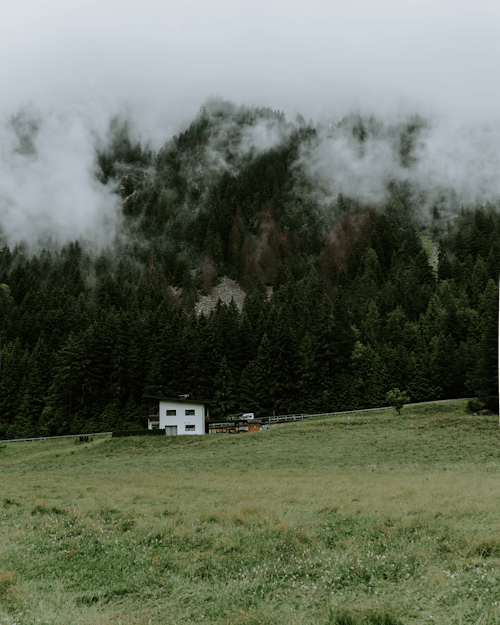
<point>171,430</point>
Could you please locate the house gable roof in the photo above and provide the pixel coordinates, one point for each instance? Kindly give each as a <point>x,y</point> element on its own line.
<point>181,400</point>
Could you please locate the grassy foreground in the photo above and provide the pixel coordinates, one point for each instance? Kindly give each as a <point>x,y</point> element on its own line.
<point>378,520</point>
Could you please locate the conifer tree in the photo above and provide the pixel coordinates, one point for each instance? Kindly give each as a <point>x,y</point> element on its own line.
<point>49,423</point>
<point>477,281</point>
<point>8,314</point>
<point>368,377</point>
<point>37,382</point>
<point>247,391</point>
<point>224,391</point>
<point>283,363</point>
<point>110,419</point>
<point>256,381</point>
<point>12,386</point>
<point>371,326</point>
<point>305,395</point>
<point>73,383</point>
<point>133,416</point>
<point>486,377</point>
<point>163,364</point>
<point>207,353</point>
<point>442,354</point>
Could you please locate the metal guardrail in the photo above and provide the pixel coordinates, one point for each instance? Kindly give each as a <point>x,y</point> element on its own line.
<point>287,417</point>
<point>46,438</point>
<point>299,417</point>
<point>266,419</point>
<point>331,414</point>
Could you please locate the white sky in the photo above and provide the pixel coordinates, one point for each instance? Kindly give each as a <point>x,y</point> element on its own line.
<point>318,57</point>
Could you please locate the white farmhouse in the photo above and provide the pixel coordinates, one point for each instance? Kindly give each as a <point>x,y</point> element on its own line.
<point>180,416</point>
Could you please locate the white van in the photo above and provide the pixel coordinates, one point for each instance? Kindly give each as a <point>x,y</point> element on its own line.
<point>248,416</point>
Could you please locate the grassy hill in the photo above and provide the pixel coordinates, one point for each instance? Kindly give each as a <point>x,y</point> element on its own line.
<point>379,519</point>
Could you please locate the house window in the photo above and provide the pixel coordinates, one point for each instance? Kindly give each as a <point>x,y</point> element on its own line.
<point>189,428</point>
<point>190,412</point>
<point>171,413</point>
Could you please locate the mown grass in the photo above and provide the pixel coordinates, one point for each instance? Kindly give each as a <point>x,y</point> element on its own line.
<point>377,520</point>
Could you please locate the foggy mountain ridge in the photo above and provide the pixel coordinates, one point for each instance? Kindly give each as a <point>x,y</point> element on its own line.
<point>323,231</point>
<point>63,179</point>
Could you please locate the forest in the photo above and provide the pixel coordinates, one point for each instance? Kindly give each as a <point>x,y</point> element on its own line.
<point>356,308</point>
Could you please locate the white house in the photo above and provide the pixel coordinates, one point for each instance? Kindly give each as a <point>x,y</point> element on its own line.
<point>180,416</point>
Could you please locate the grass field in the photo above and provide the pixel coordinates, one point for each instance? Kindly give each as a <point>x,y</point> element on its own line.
<point>377,520</point>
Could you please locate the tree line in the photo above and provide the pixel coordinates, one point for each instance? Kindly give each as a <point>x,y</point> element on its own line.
<point>79,354</point>
<point>356,308</point>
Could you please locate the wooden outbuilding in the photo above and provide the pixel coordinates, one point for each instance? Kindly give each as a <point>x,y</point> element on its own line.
<point>235,427</point>
<point>254,425</point>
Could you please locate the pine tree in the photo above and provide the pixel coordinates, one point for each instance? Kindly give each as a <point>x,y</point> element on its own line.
<point>127,370</point>
<point>306,391</point>
<point>73,383</point>
<point>252,321</point>
<point>486,378</point>
<point>256,382</point>
<point>110,419</point>
<point>12,386</point>
<point>441,364</point>
<point>8,314</point>
<point>371,326</point>
<point>418,384</point>
<point>493,262</point>
<point>37,382</point>
<point>224,391</point>
<point>248,396</point>
<point>283,363</point>
<point>444,265</point>
<point>209,352</point>
<point>213,243</point>
<point>477,281</point>
<point>51,422</point>
<point>368,377</point>
<point>133,416</point>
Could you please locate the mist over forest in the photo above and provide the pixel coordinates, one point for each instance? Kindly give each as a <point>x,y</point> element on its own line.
<point>367,246</point>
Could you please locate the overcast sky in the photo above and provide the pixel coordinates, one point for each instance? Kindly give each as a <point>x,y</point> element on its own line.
<point>319,57</point>
<point>72,64</point>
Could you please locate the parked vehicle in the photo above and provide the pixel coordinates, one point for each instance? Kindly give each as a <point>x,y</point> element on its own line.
<point>247,416</point>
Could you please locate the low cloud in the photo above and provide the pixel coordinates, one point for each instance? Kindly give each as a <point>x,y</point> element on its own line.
<point>447,163</point>
<point>48,189</point>
<point>49,193</point>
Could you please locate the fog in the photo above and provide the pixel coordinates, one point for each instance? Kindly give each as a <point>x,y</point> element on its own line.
<point>449,163</point>
<point>73,66</point>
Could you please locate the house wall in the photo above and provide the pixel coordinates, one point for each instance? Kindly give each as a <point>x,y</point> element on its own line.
<point>180,419</point>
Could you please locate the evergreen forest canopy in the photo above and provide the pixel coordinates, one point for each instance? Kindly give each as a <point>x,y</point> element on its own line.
<point>356,308</point>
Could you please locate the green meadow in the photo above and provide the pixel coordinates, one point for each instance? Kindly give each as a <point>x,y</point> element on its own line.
<point>378,520</point>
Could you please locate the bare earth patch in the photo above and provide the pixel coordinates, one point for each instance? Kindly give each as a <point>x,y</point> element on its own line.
<point>225,291</point>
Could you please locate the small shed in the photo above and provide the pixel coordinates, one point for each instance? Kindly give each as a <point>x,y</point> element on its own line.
<point>254,425</point>
<point>180,416</point>
<point>235,427</point>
